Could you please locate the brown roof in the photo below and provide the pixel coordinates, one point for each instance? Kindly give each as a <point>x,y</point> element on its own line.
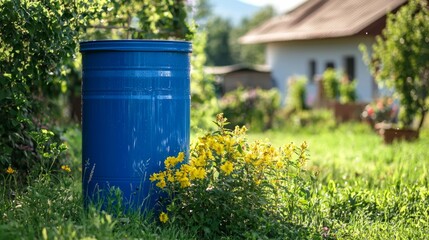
<point>316,19</point>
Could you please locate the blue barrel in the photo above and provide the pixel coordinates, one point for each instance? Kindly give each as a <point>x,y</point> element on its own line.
<point>136,113</point>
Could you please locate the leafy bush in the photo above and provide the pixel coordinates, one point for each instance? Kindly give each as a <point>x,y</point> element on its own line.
<point>330,83</point>
<point>347,90</point>
<point>204,102</point>
<point>231,187</point>
<point>37,37</point>
<point>255,108</point>
<point>296,94</point>
<point>313,119</point>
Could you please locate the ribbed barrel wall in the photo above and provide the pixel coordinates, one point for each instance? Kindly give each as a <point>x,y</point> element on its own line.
<point>136,112</point>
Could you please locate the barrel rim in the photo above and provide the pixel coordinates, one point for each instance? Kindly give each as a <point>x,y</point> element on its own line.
<point>152,45</point>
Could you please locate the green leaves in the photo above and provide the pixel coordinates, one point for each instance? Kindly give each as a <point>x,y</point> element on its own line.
<point>37,38</point>
<point>401,59</point>
<point>141,19</point>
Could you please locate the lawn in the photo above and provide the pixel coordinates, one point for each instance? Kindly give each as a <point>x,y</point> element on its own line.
<point>369,190</point>
<point>362,189</point>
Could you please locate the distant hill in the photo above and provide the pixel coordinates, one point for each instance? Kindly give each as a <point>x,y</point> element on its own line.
<point>233,10</point>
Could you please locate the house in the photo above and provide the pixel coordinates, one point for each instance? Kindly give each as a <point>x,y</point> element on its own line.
<point>321,34</point>
<point>232,77</point>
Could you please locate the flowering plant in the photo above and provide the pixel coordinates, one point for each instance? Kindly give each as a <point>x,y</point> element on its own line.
<point>232,187</point>
<point>382,110</point>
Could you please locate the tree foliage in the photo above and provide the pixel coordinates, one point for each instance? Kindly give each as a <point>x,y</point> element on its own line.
<point>143,19</point>
<point>223,47</point>
<point>401,59</point>
<point>255,53</point>
<point>217,48</point>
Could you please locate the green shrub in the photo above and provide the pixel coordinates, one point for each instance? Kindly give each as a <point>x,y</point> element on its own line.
<point>37,37</point>
<point>231,187</point>
<point>296,94</point>
<point>313,119</point>
<point>331,84</point>
<point>347,90</point>
<point>204,102</point>
<point>255,108</point>
<point>335,87</point>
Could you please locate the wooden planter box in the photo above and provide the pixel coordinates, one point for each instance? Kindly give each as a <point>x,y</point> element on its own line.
<point>390,135</point>
<point>345,112</point>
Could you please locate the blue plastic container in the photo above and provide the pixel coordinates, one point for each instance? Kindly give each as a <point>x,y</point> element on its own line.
<point>136,112</point>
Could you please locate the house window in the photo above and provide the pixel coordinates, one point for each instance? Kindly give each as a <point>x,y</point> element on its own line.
<point>312,68</point>
<point>330,65</point>
<point>349,66</point>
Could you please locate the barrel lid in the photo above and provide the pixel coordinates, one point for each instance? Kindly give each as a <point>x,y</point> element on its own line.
<point>136,45</point>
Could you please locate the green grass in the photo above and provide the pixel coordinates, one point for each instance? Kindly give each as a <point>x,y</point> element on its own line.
<point>51,207</point>
<point>366,189</point>
<point>363,189</point>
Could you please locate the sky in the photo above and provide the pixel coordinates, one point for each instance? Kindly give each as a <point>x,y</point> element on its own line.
<point>279,5</point>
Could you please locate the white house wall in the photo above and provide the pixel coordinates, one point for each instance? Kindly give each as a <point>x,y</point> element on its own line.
<point>288,59</point>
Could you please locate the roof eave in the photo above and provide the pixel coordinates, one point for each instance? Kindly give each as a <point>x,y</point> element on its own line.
<point>271,38</point>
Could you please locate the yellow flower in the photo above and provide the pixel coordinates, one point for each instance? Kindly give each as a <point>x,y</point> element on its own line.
<point>66,168</point>
<point>153,177</point>
<point>170,177</point>
<point>181,157</point>
<point>171,162</point>
<point>198,162</point>
<point>279,164</point>
<point>288,150</point>
<point>240,131</point>
<point>10,170</point>
<point>184,182</point>
<point>304,146</point>
<point>198,173</point>
<point>163,217</point>
<point>227,167</point>
<point>161,183</point>
<point>158,177</point>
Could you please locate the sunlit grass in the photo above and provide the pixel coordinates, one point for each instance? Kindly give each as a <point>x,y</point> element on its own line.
<point>363,189</point>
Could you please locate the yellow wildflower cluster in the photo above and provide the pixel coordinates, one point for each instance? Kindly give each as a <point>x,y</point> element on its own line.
<point>171,162</point>
<point>224,152</point>
<point>183,175</point>
<point>224,169</point>
<point>66,168</point>
<point>10,170</point>
<point>227,167</point>
<point>160,177</point>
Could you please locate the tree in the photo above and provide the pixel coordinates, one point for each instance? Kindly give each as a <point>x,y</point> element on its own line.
<point>217,48</point>
<point>201,10</point>
<point>249,54</point>
<point>400,59</point>
<point>143,19</point>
